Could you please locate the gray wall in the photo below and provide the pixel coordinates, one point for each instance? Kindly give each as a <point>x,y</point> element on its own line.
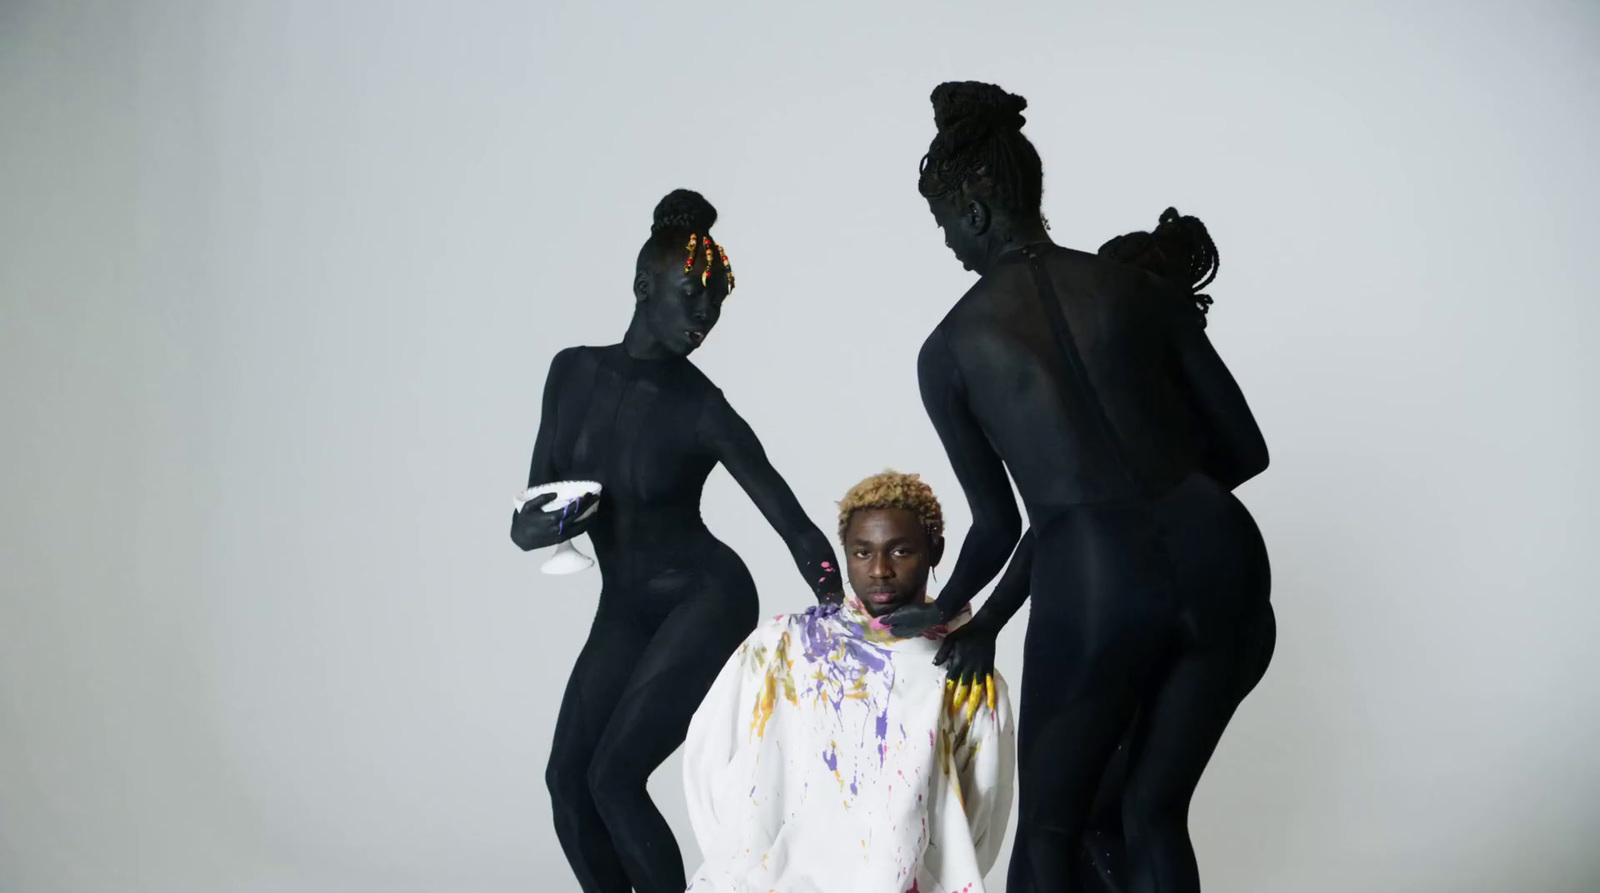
<point>281,281</point>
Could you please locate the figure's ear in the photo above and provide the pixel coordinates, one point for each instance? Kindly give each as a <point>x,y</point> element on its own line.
<point>641,286</point>
<point>935,550</point>
<point>975,219</point>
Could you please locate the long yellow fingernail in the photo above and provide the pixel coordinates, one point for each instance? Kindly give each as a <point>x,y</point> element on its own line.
<point>989,684</point>
<point>958,698</point>
<point>973,701</point>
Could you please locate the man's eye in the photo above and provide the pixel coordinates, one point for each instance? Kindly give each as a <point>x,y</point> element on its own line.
<point>861,554</point>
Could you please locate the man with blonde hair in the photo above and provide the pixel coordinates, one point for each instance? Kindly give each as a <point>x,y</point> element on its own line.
<point>831,755</point>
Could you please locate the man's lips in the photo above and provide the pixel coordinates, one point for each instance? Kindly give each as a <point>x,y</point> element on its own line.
<point>695,336</point>
<point>881,595</point>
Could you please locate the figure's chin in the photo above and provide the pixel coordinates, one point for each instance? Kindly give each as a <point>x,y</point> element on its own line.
<point>877,608</point>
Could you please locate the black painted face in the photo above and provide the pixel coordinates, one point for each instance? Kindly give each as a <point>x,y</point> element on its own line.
<point>680,312</point>
<point>888,554</point>
<point>964,232</point>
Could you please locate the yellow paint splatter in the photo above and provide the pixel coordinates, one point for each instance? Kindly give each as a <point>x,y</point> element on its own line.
<point>783,659</point>
<point>778,673</point>
<point>763,708</point>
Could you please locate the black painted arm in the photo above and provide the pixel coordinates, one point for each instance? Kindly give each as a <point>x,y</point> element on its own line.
<point>1012,590</point>
<point>532,527</point>
<point>736,446</point>
<point>996,523</point>
<point>1236,450</point>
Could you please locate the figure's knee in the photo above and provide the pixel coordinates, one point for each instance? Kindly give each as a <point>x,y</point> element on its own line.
<point>1058,811</point>
<point>1147,811</point>
<point>566,776</point>
<point>613,781</point>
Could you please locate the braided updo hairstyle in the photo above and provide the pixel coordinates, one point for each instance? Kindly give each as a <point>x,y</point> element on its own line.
<point>681,228</point>
<point>1179,249</point>
<point>683,209</point>
<point>980,147</point>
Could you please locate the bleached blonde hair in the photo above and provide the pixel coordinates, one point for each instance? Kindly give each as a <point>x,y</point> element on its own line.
<point>892,489</point>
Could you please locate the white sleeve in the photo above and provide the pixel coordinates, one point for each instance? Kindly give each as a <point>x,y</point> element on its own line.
<point>715,735</point>
<point>986,761</point>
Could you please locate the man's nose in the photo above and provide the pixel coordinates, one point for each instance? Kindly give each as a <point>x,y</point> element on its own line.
<point>879,568</point>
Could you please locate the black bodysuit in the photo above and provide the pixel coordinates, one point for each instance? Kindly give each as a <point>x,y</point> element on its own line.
<point>1095,386</point>
<point>674,602</point>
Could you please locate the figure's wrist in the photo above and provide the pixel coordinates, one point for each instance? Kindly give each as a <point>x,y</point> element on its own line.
<point>985,623</point>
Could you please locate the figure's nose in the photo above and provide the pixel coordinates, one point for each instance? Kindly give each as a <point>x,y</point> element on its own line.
<point>879,569</point>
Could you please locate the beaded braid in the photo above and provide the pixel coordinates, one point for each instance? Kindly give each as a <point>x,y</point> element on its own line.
<point>727,268</point>
<point>713,251</point>
<point>684,209</point>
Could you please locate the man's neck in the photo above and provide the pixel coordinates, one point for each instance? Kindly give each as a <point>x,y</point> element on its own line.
<point>886,610</point>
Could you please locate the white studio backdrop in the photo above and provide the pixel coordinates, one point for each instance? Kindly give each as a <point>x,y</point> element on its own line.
<point>281,281</point>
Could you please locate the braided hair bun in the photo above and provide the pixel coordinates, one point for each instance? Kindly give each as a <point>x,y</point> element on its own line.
<point>1180,249</point>
<point>967,111</point>
<point>684,209</point>
<point>980,145</point>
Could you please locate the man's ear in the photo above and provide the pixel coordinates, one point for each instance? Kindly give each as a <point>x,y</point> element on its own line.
<point>935,550</point>
<point>641,286</point>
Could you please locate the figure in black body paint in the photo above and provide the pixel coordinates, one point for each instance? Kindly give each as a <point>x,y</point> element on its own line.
<point>675,602</point>
<point>1092,382</point>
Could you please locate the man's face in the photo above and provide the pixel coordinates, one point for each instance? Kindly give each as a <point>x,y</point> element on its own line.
<point>888,554</point>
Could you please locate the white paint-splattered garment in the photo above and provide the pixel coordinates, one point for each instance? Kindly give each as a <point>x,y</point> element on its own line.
<point>826,759</point>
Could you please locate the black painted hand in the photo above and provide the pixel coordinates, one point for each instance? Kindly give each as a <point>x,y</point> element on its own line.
<point>967,654</point>
<point>831,598</point>
<point>913,620</point>
<point>533,528</point>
